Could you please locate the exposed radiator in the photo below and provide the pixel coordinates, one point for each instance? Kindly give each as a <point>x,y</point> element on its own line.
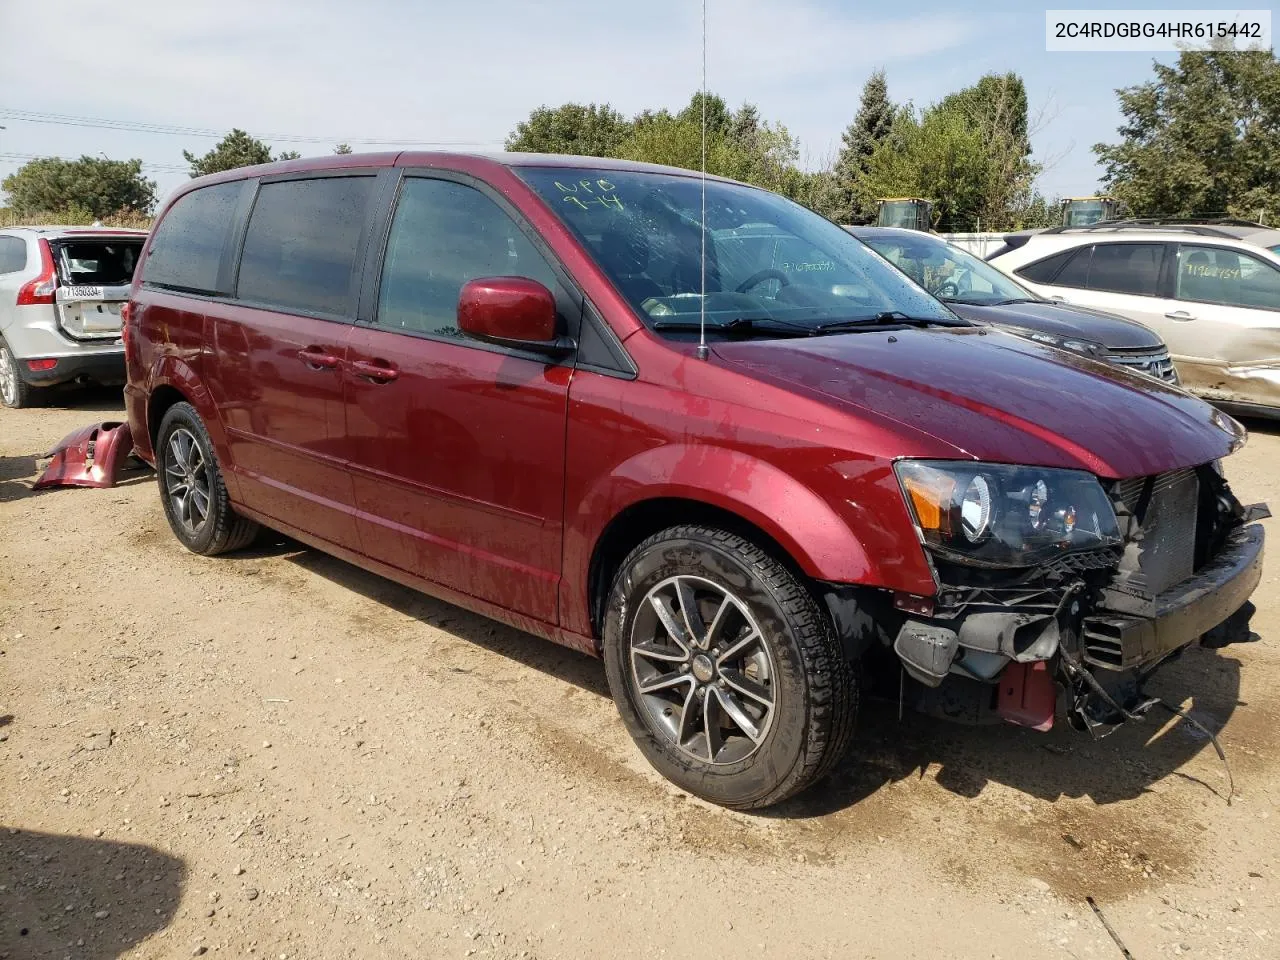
<point>1161,552</point>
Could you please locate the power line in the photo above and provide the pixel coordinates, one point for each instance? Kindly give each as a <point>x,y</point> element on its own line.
<point>24,157</point>
<point>60,119</point>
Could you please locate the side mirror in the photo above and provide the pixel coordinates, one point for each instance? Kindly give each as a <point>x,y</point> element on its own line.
<point>513,312</point>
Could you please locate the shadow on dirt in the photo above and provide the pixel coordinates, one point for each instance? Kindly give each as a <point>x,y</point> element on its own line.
<point>14,471</point>
<point>1061,763</point>
<point>1048,766</point>
<point>73,896</point>
<point>72,396</point>
<point>557,661</point>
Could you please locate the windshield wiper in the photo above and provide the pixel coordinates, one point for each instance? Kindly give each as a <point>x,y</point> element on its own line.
<point>738,326</point>
<point>886,317</point>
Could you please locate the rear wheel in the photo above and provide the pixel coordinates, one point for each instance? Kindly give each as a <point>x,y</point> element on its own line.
<point>191,487</point>
<point>725,670</point>
<point>14,391</point>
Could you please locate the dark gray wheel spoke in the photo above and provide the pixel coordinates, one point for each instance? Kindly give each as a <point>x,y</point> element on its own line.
<point>717,625</point>
<point>665,682</point>
<point>670,622</point>
<point>711,726</point>
<point>736,649</point>
<point>655,652</point>
<point>747,687</point>
<point>695,629</point>
<point>690,717</point>
<point>702,669</point>
<point>729,703</point>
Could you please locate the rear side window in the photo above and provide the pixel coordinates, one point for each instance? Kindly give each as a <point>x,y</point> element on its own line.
<point>1075,272</point>
<point>13,254</point>
<point>303,245</point>
<point>1217,275</point>
<point>1044,271</point>
<point>187,246</point>
<point>1132,268</point>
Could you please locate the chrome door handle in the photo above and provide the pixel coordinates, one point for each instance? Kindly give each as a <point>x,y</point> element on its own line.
<point>1179,315</point>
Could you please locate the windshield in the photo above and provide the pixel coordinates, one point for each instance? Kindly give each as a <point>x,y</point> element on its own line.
<point>768,260</point>
<point>948,272</point>
<point>1082,213</point>
<point>898,213</point>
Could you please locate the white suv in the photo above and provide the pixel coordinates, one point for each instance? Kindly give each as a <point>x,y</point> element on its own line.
<point>61,290</point>
<point>1210,290</point>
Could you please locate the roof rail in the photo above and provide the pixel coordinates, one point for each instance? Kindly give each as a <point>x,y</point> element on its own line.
<point>1199,227</point>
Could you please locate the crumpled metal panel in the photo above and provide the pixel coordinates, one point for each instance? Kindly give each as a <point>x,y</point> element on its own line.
<point>90,457</point>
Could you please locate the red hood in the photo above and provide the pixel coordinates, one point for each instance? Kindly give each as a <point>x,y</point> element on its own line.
<point>996,397</point>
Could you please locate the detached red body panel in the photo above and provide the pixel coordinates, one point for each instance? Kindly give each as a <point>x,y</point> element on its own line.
<point>1028,695</point>
<point>90,457</point>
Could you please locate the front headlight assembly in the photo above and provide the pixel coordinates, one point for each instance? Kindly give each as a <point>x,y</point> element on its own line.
<point>995,515</point>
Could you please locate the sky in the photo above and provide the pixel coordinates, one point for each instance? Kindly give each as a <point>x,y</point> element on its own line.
<point>462,74</point>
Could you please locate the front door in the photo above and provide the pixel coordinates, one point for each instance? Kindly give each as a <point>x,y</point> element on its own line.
<point>458,446</point>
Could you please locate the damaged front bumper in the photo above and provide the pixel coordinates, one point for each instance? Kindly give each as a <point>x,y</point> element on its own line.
<point>1076,647</point>
<point>92,456</point>
<point>1183,613</point>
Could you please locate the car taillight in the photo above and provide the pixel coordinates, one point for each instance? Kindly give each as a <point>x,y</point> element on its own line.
<point>41,289</point>
<point>37,366</point>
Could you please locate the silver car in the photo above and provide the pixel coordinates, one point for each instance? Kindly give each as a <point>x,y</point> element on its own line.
<point>1211,290</point>
<point>61,290</point>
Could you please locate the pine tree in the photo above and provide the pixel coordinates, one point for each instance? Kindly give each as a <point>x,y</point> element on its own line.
<point>873,123</point>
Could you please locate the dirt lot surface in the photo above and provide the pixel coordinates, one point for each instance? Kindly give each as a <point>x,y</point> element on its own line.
<point>278,755</point>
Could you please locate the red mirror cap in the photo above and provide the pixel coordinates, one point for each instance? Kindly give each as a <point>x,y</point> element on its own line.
<point>507,308</point>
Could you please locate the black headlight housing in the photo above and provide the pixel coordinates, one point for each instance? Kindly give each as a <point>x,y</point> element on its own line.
<point>997,515</point>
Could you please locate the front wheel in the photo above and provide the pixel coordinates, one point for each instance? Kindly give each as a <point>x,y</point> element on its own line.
<point>725,670</point>
<point>191,487</point>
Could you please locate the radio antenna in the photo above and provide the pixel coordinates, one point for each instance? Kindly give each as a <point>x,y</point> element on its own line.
<point>702,299</point>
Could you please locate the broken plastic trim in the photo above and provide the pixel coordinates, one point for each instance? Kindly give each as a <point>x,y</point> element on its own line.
<point>90,457</point>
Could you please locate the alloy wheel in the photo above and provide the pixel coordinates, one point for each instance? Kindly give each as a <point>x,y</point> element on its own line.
<point>187,480</point>
<point>703,669</point>
<point>8,384</point>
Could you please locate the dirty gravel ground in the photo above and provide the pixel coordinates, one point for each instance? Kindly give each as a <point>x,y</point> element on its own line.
<point>278,755</point>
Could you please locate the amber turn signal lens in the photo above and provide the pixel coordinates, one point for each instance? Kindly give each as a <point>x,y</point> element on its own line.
<point>931,496</point>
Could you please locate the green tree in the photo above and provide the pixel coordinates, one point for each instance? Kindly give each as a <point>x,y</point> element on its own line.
<point>236,149</point>
<point>342,149</point>
<point>719,117</point>
<point>871,126</point>
<point>1202,137</point>
<point>968,153</point>
<point>94,184</point>
<point>593,130</point>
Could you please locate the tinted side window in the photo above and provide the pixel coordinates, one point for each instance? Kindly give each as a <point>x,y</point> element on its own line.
<point>1132,268</point>
<point>1046,270</point>
<point>302,249</point>
<point>443,235</point>
<point>1215,275</point>
<point>1076,271</point>
<point>13,254</point>
<point>187,246</point>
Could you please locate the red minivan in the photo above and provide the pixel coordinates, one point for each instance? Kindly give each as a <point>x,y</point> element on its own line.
<point>485,377</point>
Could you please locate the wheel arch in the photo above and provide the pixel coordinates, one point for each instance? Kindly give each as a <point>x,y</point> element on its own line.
<point>162,398</point>
<point>643,519</point>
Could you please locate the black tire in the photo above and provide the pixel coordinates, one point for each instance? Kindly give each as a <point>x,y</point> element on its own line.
<point>220,529</point>
<point>812,689</point>
<point>14,391</point>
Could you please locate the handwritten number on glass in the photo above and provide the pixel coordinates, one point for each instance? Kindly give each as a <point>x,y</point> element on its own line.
<point>586,192</point>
